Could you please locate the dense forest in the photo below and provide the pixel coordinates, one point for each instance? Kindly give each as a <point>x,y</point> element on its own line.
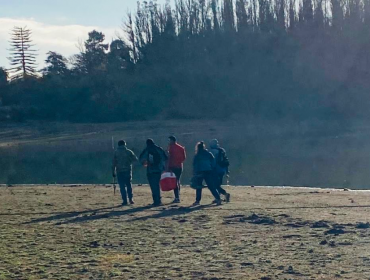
<point>271,60</point>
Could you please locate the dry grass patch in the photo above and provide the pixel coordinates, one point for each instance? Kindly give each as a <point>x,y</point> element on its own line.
<point>109,261</point>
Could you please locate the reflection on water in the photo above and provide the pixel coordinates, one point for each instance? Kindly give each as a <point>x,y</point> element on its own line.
<point>316,160</point>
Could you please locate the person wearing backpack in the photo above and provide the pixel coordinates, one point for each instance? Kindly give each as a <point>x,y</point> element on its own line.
<point>221,167</point>
<point>176,158</point>
<point>203,165</point>
<point>122,168</point>
<point>154,158</point>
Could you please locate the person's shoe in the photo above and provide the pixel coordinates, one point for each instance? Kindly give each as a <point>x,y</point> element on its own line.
<point>124,203</point>
<point>132,202</point>
<point>215,201</point>
<point>196,203</point>
<point>176,200</point>
<point>157,204</point>
<point>218,202</point>
<point>227,197</point>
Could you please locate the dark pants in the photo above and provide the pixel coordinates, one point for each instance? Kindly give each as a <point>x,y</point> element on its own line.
<point>207,176</point>
<point>124,181</point>
<point>154,179</point>
<point>177,172</point>
<point>219,179</point>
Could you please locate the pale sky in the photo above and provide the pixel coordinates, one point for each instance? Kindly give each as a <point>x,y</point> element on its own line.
<point>58,25</point>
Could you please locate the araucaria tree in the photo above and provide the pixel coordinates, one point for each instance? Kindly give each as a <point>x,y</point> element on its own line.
<point>22,56</point>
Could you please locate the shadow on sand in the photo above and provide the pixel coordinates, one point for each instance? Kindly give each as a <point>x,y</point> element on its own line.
<point>60,215</point>
<point>93,215</point>
<point>160,212</point>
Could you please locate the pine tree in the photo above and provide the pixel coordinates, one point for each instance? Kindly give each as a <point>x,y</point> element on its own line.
<point>23,57</point>
<point>56,65</point>
<point>93,59</point>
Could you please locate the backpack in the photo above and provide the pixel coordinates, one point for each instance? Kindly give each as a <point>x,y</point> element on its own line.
<point>222,159</point>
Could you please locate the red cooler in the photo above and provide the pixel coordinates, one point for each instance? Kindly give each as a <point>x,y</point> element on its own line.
<point>168,181</point>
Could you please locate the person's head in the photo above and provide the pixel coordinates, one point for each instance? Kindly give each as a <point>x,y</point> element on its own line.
<point>214,144</point>
<point>172,139</point>
<point>200,147</point>
<point>149,142</point>
<point>121,143</point>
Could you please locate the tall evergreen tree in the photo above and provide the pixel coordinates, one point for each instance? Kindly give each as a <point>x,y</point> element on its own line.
<point>22,55</point>
<point>93,59</point>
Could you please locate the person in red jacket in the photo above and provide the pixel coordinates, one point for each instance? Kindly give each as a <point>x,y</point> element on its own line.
<point>176,158</point>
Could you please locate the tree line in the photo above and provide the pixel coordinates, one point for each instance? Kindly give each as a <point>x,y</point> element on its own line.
<point>274,60</point>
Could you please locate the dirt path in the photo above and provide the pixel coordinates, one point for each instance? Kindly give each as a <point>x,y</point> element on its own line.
<point>80,233</point>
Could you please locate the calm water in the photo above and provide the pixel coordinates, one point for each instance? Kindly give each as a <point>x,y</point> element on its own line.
<point>256,159</point>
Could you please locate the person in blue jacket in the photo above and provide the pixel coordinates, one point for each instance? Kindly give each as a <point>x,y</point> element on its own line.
<point>203,168</point>
<point>221,167</point>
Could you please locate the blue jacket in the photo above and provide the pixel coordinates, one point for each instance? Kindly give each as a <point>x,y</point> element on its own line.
<point>203,161</point>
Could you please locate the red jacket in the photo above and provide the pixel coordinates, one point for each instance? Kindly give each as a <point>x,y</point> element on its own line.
<point>176,156</point>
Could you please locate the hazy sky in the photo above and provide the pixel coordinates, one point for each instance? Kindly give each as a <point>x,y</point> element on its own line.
<point>58,25</point>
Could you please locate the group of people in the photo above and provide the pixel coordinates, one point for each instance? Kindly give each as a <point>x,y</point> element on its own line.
<point>208,165</point>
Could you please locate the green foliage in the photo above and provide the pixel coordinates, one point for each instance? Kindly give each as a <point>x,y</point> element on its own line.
<point>213,59</point>
<point>56,65</point>
<point>3,77</point>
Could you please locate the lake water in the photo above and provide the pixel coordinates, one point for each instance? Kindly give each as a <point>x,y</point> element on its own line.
<point>257,157</point>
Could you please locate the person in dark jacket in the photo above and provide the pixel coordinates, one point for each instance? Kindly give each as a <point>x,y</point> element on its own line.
<point>154,158</point>
<point>122,168</point>
<point>176,158</point>
<point>221,167</point>
<point>203,165</point>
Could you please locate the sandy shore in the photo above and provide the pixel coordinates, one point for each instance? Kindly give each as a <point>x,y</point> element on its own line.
<point>56,232</point>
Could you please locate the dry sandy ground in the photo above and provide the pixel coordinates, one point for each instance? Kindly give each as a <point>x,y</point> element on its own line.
<point>79,232</point>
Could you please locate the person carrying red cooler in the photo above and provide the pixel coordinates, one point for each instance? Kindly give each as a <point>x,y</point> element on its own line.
<point>176,158</point>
